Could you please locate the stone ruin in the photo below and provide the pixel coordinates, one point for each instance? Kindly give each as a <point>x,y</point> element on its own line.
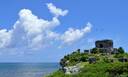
<point>106,46</point>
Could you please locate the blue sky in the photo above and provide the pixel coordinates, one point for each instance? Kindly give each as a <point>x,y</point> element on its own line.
<point>54,33</point>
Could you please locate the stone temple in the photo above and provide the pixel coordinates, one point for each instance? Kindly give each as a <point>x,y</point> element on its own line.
<point>106,46</point>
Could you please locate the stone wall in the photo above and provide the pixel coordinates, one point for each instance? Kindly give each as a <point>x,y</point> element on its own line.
<point>104,44</point>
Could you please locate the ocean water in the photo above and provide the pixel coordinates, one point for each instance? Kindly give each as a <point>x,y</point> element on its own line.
<point>27,69</point>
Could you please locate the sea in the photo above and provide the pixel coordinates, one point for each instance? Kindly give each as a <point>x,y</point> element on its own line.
<point>27,69</point>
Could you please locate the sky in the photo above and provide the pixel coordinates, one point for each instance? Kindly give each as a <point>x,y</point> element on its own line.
<point>46,30</point>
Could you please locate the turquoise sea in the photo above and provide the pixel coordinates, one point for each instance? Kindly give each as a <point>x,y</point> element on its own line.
<point>27,69</point>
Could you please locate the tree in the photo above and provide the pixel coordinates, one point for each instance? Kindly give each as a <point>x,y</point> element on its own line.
<point>121,50</point>
<point>95,50</point>
<point>78,50</point>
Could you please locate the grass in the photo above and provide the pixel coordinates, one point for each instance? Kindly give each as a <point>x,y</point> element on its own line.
<point>100,69</point>
<point>104,66</point>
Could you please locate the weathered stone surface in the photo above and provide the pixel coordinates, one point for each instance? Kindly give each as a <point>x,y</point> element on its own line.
<point>123,59</point>
<point>104,44</point>
<point>71,69</point>
<point>86,51</point>
<point>92,60</point>
<point>115,51</point>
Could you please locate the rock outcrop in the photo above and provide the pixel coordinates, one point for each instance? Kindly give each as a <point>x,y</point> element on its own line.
<point>71,69</point>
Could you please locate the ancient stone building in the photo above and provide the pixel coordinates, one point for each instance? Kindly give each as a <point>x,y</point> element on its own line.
<point>106,46</point>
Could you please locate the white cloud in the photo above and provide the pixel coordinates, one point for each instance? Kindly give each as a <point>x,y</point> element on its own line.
<point>52,35</point>
<point>56,11</point>
<point>5,38</point>
<point>30,31</point>
<point>72,35</point>
<point>33,24</point>
<point>37,41</point>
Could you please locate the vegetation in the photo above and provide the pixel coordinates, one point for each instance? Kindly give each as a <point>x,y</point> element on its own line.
<point>105,66</point>
<point>121,50</point>
<point>73,58</point>
<point>117,69</point>
<point>121,55</point>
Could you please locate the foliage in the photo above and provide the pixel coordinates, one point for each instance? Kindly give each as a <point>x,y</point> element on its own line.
<point>105,66</point>
<point>101,69</point>
<point>121,55</point>
<point>94,50</point>
<point>118,69</point>
<point>121,50</point>
<point>57,74</point>
<point>74,58</point>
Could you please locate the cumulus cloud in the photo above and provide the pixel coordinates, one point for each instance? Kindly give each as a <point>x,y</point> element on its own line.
<point>72,35</point>
<point>5,38</point>
<point>29,27</point>
<point>30,31</point>
<point>56,11</point>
